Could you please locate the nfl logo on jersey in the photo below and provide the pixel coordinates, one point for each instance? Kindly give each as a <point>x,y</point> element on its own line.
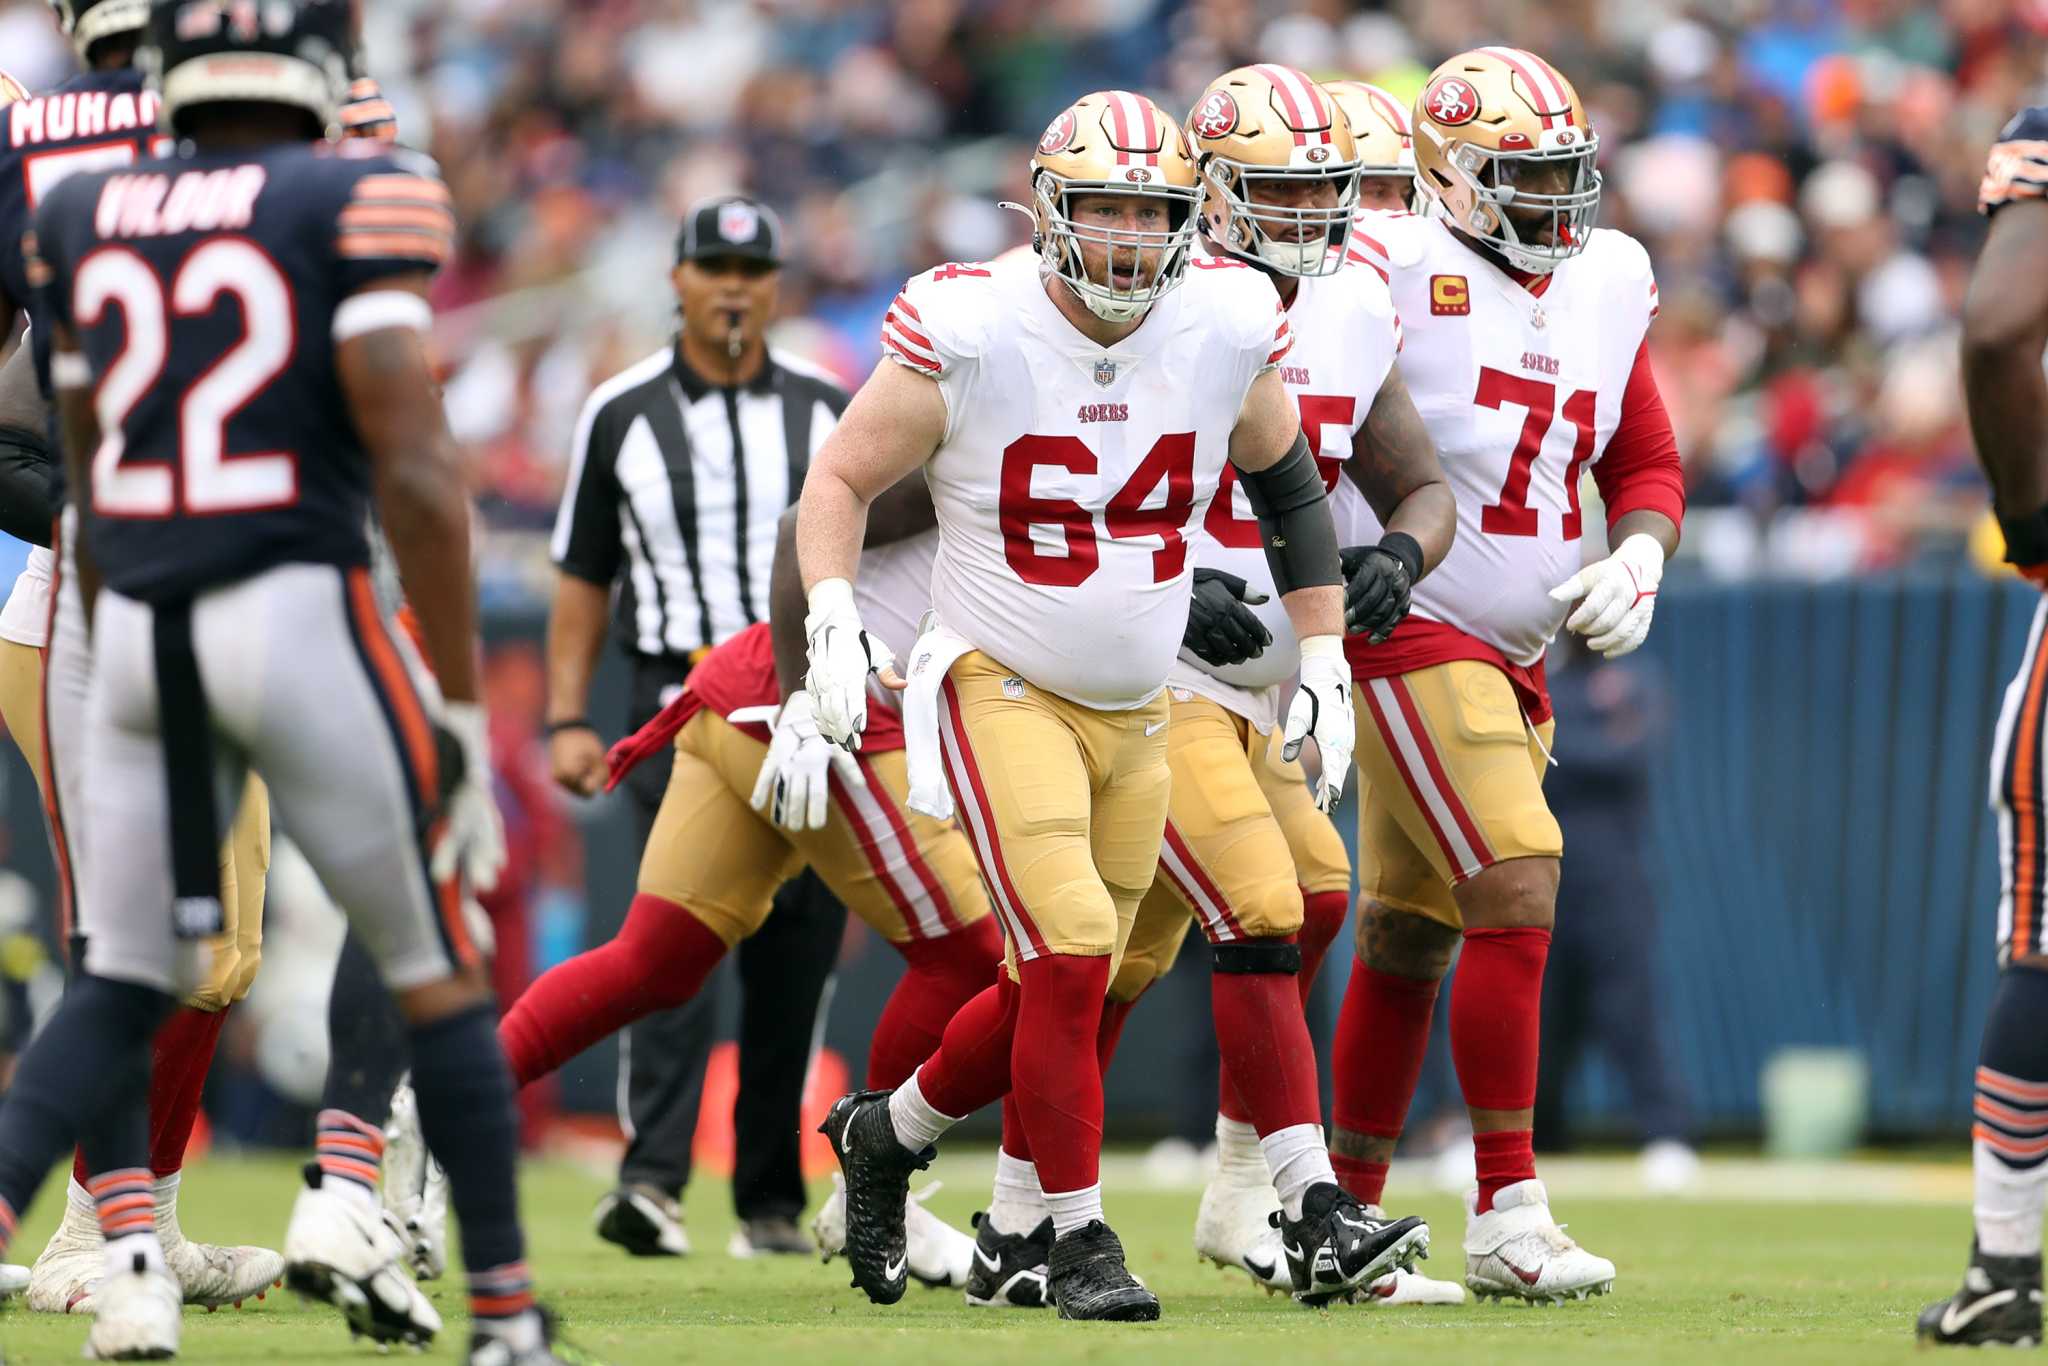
<point>1105,372</point>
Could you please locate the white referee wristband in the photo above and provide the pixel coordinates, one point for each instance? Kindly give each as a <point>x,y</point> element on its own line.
<point>70,370</point>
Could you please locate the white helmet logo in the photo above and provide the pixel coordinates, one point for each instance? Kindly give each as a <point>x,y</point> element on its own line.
<point>738,222</point>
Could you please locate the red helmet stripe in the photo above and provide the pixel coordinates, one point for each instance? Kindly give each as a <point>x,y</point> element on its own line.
<point>1546,90</point>
<point>1151,129</point>
<point>1294,99</point>
<point>1389,110</point>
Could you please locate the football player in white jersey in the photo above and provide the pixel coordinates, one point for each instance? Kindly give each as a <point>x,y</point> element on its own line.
<point>1072,422</point>
<point>1524,350</point>
<point>1386,151</point>
<point>1247,854</point>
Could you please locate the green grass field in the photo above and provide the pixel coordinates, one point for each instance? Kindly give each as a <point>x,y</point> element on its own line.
<point>1780,1278</point>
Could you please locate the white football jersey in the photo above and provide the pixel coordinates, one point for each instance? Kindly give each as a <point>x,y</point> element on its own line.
<point>1521,393</point>
<point>1346,337</point>
<point>1070,473</point>
<point>893,589</point>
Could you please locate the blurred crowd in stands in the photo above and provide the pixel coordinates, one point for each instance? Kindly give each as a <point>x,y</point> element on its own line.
<point>1803,171</point>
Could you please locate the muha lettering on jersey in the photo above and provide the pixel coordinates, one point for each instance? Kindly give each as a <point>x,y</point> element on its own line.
<point>81,114</point>
<point>192,201</point>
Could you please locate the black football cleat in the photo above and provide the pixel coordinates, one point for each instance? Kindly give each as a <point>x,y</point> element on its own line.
<point>1009,1269</point>
<point>2000,1302</point>
<point>1089,1280</point>
<point>877,1170</point>
<point>1336,1246</point>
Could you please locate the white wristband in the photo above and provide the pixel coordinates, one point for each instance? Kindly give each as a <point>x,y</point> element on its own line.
<point>831,597</point>
<point>70,370</point>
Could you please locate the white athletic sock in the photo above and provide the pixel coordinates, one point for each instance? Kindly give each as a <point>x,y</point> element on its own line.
<point>1239,1159</point>
<point>1072,1209</point>
<point>81,1214</point>
<point>165,1189</point>
<point>1017,1204</point>
<point>1298,1160</point>
<point>916,1123</point>
<point>2008,1205</point>
<point>351,1190</point>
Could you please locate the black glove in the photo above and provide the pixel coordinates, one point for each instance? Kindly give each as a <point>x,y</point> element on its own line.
<point>1376,584</point>
<point>1222,628</point>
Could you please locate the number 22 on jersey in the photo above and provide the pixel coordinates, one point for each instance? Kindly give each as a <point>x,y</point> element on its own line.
<point>207,480</point>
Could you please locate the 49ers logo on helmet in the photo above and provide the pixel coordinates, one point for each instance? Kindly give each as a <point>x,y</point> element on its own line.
<point>1058,134</point>
<point>1451,100</point>
<point>1215,116</point>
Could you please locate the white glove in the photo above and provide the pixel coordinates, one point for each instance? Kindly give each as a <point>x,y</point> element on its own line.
<point>1322,709</point>
<point>1620,594</point>
<point>842,656</point>
<point>794,785</point>
<point>472,832</point>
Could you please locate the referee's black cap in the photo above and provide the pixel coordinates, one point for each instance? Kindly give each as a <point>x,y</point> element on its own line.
<point>729,226</point>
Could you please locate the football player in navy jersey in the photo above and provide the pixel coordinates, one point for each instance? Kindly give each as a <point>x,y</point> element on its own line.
<point>2005,329</point>
<point>103,117</point>
<point>236,346</point>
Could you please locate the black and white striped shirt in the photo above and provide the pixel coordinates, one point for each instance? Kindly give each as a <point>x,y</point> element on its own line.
<point>675,485</point>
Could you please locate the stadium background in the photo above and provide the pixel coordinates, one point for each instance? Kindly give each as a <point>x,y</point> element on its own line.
<point>1804,174</point>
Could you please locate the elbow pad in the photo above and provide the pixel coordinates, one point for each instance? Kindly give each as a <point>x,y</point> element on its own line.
<point>27,506</point>
<point>1295,528</point>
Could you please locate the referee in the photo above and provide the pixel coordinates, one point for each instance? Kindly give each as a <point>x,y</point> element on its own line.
<point>681,466</point>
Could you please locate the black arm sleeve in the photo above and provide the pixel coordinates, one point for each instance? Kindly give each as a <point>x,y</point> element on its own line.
<point>1294,520</point>
<point>27,506</point>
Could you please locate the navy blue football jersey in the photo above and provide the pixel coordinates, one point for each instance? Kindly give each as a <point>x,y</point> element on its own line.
<point>202,291</point>
<point>92,122</point>
<point>2018,165</point>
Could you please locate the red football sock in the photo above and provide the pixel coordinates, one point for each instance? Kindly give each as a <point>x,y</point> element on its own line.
<point>1054,1067</point>
<point>1110,1032</point>
<point>1228,1103</point>
<point>1366,1181</point>
<point>1503,1157</point>
<point>1376,1059</point>
<point>972,1067</point>
<point>659,958</point>
<point>1322,918</point>
<point>183,1054</point>
<point>941,976</point>
<point>1014,1141</point>
<point>1496,1008</point>
<point>1268,1059</point>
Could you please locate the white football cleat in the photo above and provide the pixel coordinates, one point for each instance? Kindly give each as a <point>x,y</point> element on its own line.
<point>1399,1287</point>
<point>828,1225</point>
<point>62,1278</point>
<point>1669,1167</point>
<point>1234,1229</point>
<point>210,1275</point>
<point>13,1279</point>
<point>1517,1251</point>
<point>415,1188</point>
<point>340,1249</point>
<point>136,1315</point>
<point>938,1255</point>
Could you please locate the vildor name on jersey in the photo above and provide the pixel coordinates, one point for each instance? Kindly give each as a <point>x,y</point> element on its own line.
<point>81,114</point>
<point>193,201</point>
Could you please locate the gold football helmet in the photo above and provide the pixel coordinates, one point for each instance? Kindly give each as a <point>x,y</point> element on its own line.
<point>1279,169</point>
<point>1386,153</point>
<point>1503,150</point>
<point>11,89</point>
<point>1114,143</point>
